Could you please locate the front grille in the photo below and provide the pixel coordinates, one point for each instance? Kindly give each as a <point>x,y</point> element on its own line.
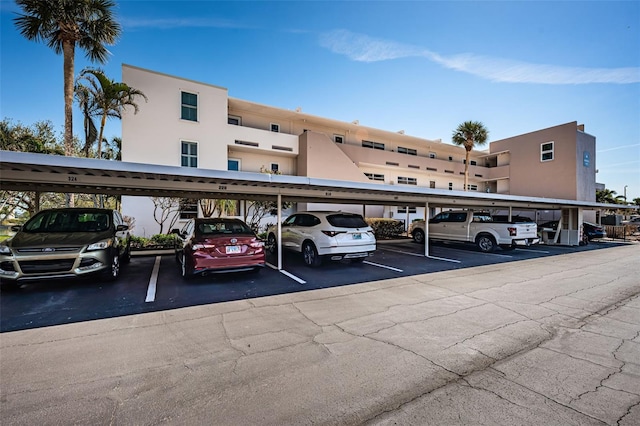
<point>44,266</point>
<point>49,250</point>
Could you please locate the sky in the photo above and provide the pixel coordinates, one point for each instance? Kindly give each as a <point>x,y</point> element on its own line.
<point>419,66</point>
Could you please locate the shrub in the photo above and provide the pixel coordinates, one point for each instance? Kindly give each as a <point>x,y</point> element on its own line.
<point>386,228</point>
<point>139,242</point>
<point>165,240</point>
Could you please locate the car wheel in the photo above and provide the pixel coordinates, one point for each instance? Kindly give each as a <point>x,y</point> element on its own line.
<point>272,246</point>
<point>486,243</point>
<point>185,269</point>
<point>310,255</point>
<point>113,272</point>
<point>418,236</point>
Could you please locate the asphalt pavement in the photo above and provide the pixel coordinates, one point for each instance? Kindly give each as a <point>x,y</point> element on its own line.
<point>552,340</point>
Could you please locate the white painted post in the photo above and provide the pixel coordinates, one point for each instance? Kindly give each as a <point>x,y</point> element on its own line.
<point>279,242</point>
<point>426,229</point>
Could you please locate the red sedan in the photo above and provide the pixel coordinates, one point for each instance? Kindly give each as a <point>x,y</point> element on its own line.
<point>218,245</point>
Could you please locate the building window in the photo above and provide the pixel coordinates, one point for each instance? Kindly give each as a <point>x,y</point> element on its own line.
<point>233,164</point>
<point>188,208</point>
<point>189,157</point>
<point>373,145</point>
<point>338,138</point>
<point>546,151</point>
<point>407,180</point>
<point>189,106</point>
<point>432,155</point>
<point>432,184</point>
<point>275,127</point>
<point>375,176</point>
<point>235,120</point>
<point>409,151</point>
<point>450,158</point>
<point>404,209</point>
<point>275,168</point>
<point>450,186</point>
<point>472,187</point>
<point>472,162</point>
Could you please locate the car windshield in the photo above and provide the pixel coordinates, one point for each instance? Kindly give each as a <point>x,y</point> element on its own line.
<point>347,221</point>
<point>68,221</point>
<point>222,227</point>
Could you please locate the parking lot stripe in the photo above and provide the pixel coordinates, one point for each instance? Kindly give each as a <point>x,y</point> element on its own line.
<point>293,277</point>
<point>151,290</point>
<point>533,250</point>
<point>403,252</point>
<point>444,259</point>
<point>382,266</point>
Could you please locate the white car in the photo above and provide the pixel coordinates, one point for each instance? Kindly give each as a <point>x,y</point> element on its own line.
<point>320,234</point>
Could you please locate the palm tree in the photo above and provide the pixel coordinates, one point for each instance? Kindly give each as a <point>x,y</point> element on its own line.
<point>606,196</point>
<point>90,131</point>
<point>63,24</point>
<point>108,98</point>
<point>469,134</point>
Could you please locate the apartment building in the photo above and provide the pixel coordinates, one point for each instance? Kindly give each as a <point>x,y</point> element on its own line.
<point>194,124</point>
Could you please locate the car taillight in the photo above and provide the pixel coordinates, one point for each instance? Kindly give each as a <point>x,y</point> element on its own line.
<point>333,233</point>
<point>513,231</point>
<point>256,243</point>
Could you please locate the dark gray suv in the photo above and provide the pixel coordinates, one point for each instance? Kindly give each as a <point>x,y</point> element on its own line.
<point>65,243</point>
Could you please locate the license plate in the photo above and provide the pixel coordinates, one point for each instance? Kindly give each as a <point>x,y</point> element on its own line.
<point>357,236</point>
<point>233,249</point>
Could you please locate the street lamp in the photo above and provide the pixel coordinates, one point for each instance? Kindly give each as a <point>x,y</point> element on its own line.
<point>625,193</point>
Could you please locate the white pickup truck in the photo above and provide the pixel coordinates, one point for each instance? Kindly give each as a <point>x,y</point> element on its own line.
<point>479,228</point>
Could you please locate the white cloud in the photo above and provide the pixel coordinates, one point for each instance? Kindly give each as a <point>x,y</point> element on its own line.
<point>359,47</point>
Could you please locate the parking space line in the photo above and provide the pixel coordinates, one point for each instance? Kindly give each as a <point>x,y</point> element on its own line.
<point>533,250</point>
<point>403,252</point>
<point>444,259</point>
<point>383,266</point>
<point>288,274</point>
<point>151,290</point>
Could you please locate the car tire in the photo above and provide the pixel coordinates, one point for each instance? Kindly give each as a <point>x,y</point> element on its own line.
<point>486,243</point>
<point>113,272</point>
<point>185,270</point>
<point>418,236</point>
<point>310,255</point>
<point>272,244</point>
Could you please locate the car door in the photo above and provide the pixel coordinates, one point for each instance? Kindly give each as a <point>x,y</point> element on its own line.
<point>289,234</point>
<point>437,226</point>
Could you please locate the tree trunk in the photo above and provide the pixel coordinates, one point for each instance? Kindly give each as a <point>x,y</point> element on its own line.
<point>68,49</point>
<point>466,170</point>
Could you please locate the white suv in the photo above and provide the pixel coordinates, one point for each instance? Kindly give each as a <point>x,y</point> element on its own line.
<point>335,235</point>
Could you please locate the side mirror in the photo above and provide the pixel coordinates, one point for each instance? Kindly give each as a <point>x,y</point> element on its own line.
<point>121,228</point>
<point>16,228</point>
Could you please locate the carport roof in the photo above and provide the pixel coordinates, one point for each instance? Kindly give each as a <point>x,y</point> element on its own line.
<point>22,171</point>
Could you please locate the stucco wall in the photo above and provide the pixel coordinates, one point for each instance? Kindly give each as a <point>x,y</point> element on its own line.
<point>533,177</point>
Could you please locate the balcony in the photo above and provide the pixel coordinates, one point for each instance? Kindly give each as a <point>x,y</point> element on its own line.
<point>250,139</point>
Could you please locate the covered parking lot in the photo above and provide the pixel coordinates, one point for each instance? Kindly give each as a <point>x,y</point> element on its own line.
<point>153,283</point>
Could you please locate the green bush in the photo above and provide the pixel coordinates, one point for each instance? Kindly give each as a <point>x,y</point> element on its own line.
<point>165,240</point>
<point>386,228</point>
<point>139,242</point>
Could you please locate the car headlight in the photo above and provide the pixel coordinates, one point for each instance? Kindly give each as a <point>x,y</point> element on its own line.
<point>5,249</point>
<point>100,245</point>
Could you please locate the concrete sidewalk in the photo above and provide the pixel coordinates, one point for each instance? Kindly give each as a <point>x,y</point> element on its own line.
<point>554,340</point>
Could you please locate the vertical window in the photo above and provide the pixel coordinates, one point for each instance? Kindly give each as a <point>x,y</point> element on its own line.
<point>235,120</point>
<point>189,156</point>
<point>450,186</point>
<point>450,158</point>
<point>233,164</point>
<point>338,138</point>
<point>432,184</point>
<point>189,106</point>
<point>432,155</point>
<point>546,151</point>
<point>275,127</point>
<point>275,168</point>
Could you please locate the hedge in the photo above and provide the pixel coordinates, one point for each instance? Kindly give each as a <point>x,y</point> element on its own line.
<point>385,228</point>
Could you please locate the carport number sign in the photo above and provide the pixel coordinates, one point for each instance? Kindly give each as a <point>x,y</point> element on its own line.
<point>72,178</point>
